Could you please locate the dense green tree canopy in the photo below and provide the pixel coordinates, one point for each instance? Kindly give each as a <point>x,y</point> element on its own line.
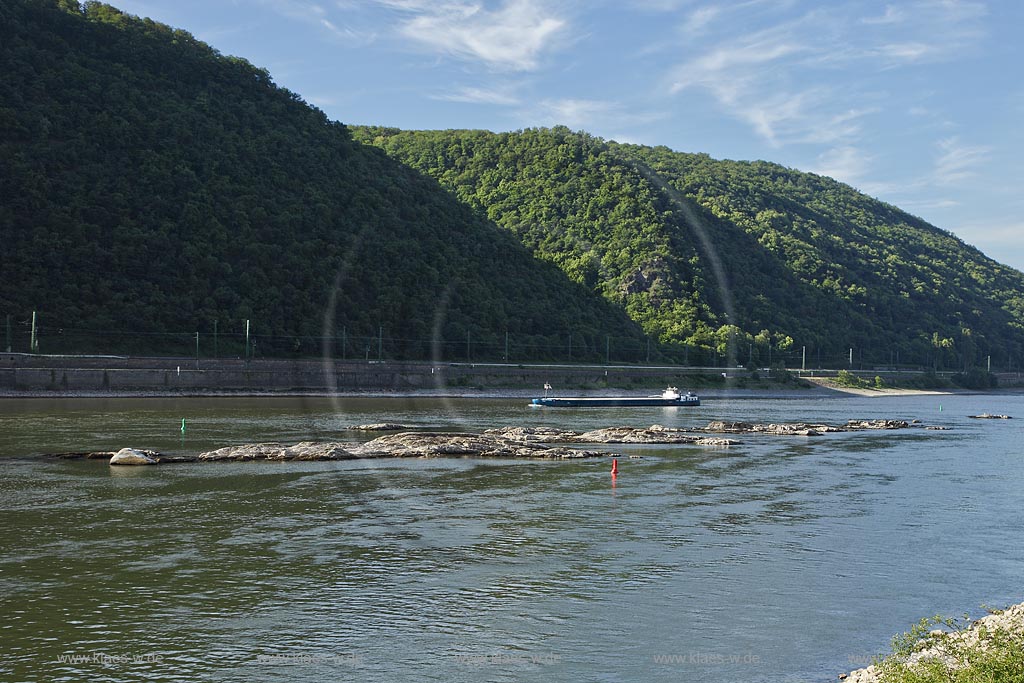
<point>721,254</point>
<point>151,185</point>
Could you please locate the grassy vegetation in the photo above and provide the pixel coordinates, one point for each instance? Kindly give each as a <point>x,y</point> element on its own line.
<point>943,650</point>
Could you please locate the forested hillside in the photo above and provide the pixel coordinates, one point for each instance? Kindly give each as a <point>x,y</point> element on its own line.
<point>152,188</point>
<point>721,255</point>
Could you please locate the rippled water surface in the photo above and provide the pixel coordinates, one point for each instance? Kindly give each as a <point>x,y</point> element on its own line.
<point>779,559</point>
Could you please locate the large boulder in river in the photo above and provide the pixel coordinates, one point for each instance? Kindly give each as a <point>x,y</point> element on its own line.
<point>305,450</point>
<point>132,456</point>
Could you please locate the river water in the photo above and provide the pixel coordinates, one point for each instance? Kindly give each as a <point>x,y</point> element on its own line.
<point>779,559</point>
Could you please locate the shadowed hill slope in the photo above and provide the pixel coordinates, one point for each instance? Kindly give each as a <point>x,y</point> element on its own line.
<point>152,186</point>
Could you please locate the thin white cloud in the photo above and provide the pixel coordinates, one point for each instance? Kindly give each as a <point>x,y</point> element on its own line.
<point>942,187</point>
<point>1005,231</point>
<point>924,31</point>
<point>660,5</point>
<point>700,19</point>
<point>847,164</point>
<point>928,204</point>
<point>935,188</point>
<point>780,78</point>
<point>823,127</point>
<point>771,116</point>
<point>907,52</point>
<point>606,118</point>
<point>480,96</point>
<point>999,238</point>
<point>511,37</point>
<point>574,113</point>
<point>957,161</point>
<point>319,15</point>
<point>347,33</point>
<point>893,15</point>
<point>708,69</point>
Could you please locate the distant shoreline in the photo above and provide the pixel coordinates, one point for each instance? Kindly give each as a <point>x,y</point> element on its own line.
<point>26,376</point>
<point>493,393</point>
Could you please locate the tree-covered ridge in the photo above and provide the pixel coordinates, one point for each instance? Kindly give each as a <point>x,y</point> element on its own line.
<point>573,203</point>
<point>719,254</point>
<point>906,273</point>
<point>151,185</point>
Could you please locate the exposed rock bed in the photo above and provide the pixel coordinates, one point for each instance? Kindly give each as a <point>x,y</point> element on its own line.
<point>109,455</point>
<point>305,450</point>
<point>434,444</point>
<point>535,434</point>
<point>87,455</point>
<point>802,428</point>
<point>987,416</point>
<point>403,445</point>
<point>658,434</point>
<point>506,442</point>
<point>655,434</point>
<point>940,644</point>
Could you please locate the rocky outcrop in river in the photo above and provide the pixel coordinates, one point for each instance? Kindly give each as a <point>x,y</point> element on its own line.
<point>433,445</point>
<point>801,428</point>
<point>506,442</point>
<point>535,434</point>
<point>305,450</point>
<point>402,445</point>
<point>655,434</point>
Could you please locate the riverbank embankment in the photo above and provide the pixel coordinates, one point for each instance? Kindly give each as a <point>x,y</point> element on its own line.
<point>34,375</point>
<point>989,649</point>
<point>26,375</point>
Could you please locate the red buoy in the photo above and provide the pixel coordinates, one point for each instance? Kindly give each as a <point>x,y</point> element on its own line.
<point>615,466</point>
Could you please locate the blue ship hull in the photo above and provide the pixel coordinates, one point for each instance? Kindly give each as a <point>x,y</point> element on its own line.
<point>615,401</point>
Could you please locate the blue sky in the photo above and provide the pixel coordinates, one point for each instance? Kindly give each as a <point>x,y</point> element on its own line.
<point>918,103</point>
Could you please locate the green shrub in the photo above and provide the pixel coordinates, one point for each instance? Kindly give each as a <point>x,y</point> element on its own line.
<point>997,654</point>
<point>845,378</point>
